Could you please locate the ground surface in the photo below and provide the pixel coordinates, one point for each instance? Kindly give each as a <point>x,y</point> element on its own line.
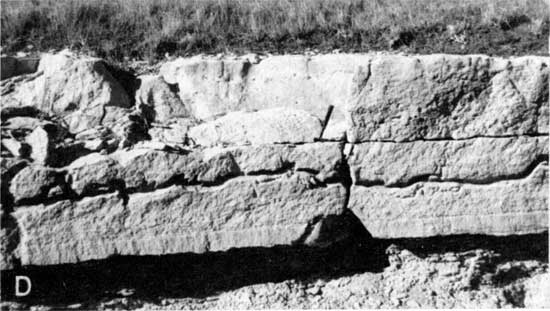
<point>122,31</point>
<point>461,271</point>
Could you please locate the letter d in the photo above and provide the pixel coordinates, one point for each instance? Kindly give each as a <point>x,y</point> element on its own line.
<point>22,278</point>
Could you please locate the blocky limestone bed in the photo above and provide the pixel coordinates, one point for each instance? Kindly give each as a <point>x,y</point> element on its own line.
<point>212,154</point>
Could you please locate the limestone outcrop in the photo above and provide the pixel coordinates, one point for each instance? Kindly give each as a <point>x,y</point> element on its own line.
<point>80,91</point>
<point>213,154</point>
<point>450,97</point>
<point>377,97</point>
<point>243,212</point>
<point>267,126</point>
<point>467,161</point>
<point>435,208</point>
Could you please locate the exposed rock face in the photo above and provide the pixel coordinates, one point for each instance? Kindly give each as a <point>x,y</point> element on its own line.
<point>244,152</point>
<point>157,101</point>
<point>54,233</point>
<point>377,97</point>
<point>536,291</point>
<point>478,160</point>
<point>244,212</point>
<point>271,206</point>
<point>36,183</point>
<point>41,146</point>
<point>80,90</point>
<point>436,208</point>
<point>9,167</point>
<point>267,126</point>
<point>9,240</point>
<point>442,96</point>
<point>214,87</point>
<point>15,147</point>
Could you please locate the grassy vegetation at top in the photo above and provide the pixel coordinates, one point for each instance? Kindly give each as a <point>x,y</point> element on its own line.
<point>148,29</point>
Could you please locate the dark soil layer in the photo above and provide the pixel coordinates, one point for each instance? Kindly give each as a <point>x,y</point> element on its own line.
<point>138,29</point>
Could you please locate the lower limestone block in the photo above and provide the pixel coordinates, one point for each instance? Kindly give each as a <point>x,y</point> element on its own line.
<point>424,209</point>
<point>249,211</point>
<point>478,160</point>
<point>67,231</point>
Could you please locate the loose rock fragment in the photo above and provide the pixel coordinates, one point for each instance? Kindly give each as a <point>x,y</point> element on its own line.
<point>41,145</point>
<point>16,148</point>
<point>172,133</point>
<point>92,173</point>
<point>35,183</point>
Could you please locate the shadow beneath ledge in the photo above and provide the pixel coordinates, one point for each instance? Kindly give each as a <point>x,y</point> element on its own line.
<point>152,278</point>
<point>198,275</point>
<point>511,247</point>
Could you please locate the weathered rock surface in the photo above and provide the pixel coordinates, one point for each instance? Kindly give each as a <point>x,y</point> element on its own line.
<point>69,231</point>
<point>41,145</point>
<point>268,126</point>
<point>9,167</point>
<point>515,206</point>
<point>157,102</point>
<point>141,169</point>
<point>173,132</point>
<point>98,138</point>
<point>325,159</point>
<point>241,152</point>
<point>243,212</point>
<point>210,87</point>
<point>78,89</point>
<point>377,97</point>
<point>93,173</point>
<point>536,291</point>
<point>9,240</point>
<point>479,160</point>
<point>22,124</point>
<point>36,183</point>
<point>442,96</point>
<point>15,147</point>
<point>213,87</point>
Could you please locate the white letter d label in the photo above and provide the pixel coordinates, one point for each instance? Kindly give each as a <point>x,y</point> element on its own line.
<point>19,278</point>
